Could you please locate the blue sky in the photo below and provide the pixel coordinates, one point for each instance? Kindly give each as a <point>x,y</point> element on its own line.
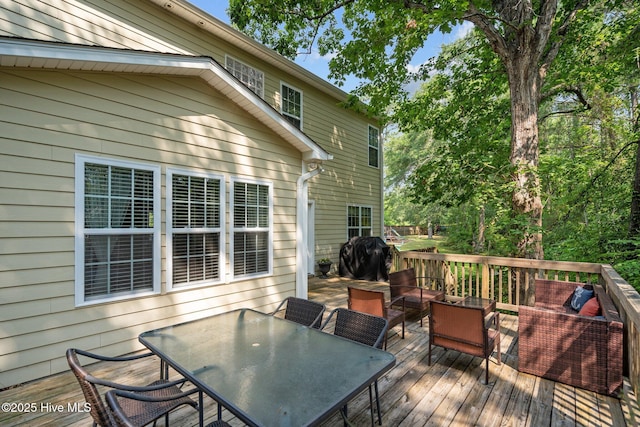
<point>319,65</point>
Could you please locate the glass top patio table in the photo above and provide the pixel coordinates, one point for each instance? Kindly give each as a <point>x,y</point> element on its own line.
<point>488,305</point>
<point>266,370</point>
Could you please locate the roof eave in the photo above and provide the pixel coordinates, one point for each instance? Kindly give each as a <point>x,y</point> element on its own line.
<point>21,53</point>
<point>210,23</point>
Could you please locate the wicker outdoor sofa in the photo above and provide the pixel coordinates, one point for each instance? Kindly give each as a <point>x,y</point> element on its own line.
<point>557,343</point>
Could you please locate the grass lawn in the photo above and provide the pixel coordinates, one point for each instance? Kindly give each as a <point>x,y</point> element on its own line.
<point>411,243</point>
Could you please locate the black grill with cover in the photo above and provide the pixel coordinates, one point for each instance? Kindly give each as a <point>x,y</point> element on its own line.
<point>365,258</point>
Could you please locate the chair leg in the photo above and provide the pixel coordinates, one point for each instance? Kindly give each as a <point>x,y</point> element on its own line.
<point>486,371</point>
<point>429,360</point>
<point>403,329</point>
<point>164,370</point>
<point>371,405</point>
<point>375,385</point>
<point>343,411</point>
<point>498,338</point>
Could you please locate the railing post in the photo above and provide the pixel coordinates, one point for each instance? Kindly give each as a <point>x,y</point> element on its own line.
<point>485,278</point>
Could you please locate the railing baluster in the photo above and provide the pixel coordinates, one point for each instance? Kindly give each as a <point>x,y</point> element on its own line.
<point>452,270</point>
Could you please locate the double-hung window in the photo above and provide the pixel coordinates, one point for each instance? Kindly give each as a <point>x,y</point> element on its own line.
<point>359,221</point>
<point>291,104</point>
<point>252,207</point>
<point>374,147</point>
<point>195,221</point>
<point>117,229</point>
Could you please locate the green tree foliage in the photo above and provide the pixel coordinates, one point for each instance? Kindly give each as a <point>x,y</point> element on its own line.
<point>588,143</point>
<point>404,153</point>
<point>566,68</point>
<point>465,106</point>
<point>376,40</point>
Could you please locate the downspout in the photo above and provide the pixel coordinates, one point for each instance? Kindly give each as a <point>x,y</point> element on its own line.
<point>302,225</point>
<point>382,234</point>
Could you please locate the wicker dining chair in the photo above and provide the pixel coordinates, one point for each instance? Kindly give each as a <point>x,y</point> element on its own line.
<point>373,302</point>
<point>303,311</point>
<point>146,412</point>
<point>120,403</point>
<point>366,329</point>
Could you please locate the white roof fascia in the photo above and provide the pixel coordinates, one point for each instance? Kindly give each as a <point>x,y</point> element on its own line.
<point>21,53</point>
<point>210,23</point>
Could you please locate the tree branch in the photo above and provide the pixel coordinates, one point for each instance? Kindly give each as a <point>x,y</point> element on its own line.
<point>558,113</point>
<point>320,17</point>
<point>578,93</point>
<point>484,23</point>
<point>574,90</point>
<point>596,177</point>
<point>561,33</point>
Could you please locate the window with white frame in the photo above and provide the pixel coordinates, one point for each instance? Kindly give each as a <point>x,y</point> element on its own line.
<point>117,234</point>
<point>251,77</point>
<point>252,228</point>
<point>291,104</point>
<point>374,147</point>
<point>195,221</point>
<point>359,221</point>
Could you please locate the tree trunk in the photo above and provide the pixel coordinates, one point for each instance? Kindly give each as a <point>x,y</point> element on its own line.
<point>634,220</point>
<point>526,203</point>
<point>634,223</point>
<point>525,155</point>
<point>523,50</point>
<point>481,229</point>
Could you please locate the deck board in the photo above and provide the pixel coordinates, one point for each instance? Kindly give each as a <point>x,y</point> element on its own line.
<point>449,392</point>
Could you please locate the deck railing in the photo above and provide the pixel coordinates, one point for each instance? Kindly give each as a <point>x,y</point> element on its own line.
<point>510,282</point>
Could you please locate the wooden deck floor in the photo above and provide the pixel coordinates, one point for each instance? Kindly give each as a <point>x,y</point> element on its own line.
<point>449,392</point>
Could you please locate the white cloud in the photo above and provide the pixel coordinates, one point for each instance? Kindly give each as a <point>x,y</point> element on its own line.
<point>413,68</point>
<point>463,30</point>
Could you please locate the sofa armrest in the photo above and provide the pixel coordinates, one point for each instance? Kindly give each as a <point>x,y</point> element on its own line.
<point>609,310</point>
<point>616,334</point>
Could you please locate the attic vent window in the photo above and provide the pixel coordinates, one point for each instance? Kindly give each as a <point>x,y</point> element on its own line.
<point>251,77</point>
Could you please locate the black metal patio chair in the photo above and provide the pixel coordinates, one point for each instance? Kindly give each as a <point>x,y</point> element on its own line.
<point>366,329</point>
<point>141,414</point>
<point>303,311</point>
<point>127,408</point>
